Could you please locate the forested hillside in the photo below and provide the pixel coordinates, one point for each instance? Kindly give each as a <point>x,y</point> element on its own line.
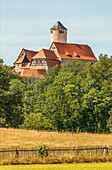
<point>77,96</point>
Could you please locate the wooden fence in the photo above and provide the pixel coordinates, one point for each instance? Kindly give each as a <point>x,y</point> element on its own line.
<point>59,151</point>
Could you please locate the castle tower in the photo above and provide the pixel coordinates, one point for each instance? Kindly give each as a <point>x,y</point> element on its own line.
<point>58,33</point>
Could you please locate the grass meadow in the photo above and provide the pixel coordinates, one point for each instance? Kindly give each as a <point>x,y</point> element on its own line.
<point>33,138</point>
<point>80,166</point>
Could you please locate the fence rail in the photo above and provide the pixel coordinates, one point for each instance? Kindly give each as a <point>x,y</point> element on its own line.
<point>53,151</point>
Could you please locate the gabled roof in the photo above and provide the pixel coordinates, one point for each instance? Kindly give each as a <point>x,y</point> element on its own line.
<point>33,72</point>
<point>58,25</point>
<point>44,53</point>
<point>24,52</point>
<point>51,57</point>
<point>75,51</point>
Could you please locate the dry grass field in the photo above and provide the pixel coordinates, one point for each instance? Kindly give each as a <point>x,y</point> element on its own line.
<point>32,138</point>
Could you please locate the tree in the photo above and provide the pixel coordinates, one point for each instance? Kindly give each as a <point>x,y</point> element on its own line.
<point>12,103</point>
<point>109,122</point>
<point>4,86</point>
<point>76,96</point>
<point>35,121</point>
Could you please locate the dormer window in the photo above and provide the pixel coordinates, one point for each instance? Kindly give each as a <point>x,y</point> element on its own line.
<point>69,55</point>
<point>77,56</point>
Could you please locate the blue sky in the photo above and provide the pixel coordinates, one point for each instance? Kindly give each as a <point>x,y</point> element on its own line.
<point>26,24</point>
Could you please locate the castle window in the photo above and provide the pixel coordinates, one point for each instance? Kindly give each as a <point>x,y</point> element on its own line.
<point>40,60</point>
<point>53,47</point>
<point>61,31</point>
<point>51,31</point>
<point>31,61</point>
<point>36,61</point>
<point>69,55</point>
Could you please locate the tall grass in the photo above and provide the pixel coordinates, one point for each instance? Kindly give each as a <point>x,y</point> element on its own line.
<point>33,138</point>
<point>54,160</point>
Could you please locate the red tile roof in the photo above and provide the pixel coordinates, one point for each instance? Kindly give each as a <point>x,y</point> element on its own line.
<point>33,73</point>
<point>75,51</point>
<point>30,54</point>
<point>50,54</point>
<point>44,53</point>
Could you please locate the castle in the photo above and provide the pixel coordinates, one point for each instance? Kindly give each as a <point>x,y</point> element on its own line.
<point>35,63</point>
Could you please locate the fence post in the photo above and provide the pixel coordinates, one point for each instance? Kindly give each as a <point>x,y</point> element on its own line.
<point>96,151</point>
<point>17,153</point>
<point>107,152</point>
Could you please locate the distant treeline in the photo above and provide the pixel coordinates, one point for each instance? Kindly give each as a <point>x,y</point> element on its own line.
<point>77,96</point>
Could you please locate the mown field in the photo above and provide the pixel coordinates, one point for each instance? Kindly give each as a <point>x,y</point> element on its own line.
<point>83,166</point>
<point>32,138</point>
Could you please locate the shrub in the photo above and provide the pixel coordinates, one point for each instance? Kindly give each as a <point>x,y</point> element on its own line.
<point>42,150</point>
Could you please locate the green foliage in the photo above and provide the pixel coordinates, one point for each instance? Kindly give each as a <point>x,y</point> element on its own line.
<point>78,96</point>
<point>11,94</point>
<point>75,96</point>
<point>1,61</point>
<point>2,122</point>
<point>35,121</point>
<point>4,78</point>
<point>12,103</point>
<point>42,150</point>
<point>109,122</point>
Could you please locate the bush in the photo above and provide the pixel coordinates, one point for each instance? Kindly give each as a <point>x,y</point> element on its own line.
<point>42,150</point>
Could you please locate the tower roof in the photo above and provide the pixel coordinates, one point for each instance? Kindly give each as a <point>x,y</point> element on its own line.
<point>58,25</point>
